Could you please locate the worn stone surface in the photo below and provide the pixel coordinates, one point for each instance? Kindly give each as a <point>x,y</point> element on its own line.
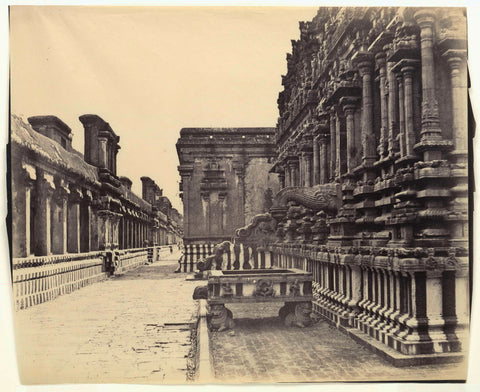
<point>261,349</point>
<point>224,177</point>
<point>260,187</point>
<point>130,328</point>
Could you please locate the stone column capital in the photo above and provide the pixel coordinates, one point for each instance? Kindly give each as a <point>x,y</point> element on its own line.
<point>62,192</point>
<point>87,196</point>
<point>75,194</point>
<point>46,184</point>
<point>408,71</point>
<point>406,66</point>
<point>349,104</point>
<point>364,61</point>
<point>381,61</point>
<point>29,174</point>
<point>425,17</point>
<point>456,58</point>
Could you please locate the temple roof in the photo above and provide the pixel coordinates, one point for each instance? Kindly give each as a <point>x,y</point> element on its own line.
<point>202,131</point>
<point>45,148</point>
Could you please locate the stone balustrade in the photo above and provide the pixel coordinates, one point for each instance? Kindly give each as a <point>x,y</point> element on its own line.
<point>128,259</point>
<point>233,257</point>
<point>402,298</point>
<point>43,278</point>
<point>40,279</point>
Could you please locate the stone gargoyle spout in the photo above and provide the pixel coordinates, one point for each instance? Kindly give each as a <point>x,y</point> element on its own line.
<point>325,197</point>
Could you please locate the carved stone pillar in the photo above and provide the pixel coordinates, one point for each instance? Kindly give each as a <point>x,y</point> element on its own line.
<point>431,143</point>
<point>114,163</point>
<point>408,70</point>
<point>368,136</point>
<point>281,179</point>
<point>73,220</point>
<point>338,155</point>
<point>186,175</point>
<point>222,213</point>
<point>293,166</point>
<point>356,286</point>
<point>42,236</point>
<point>457,61</point>
<point>316,161</point>
<point>288,176</point>
<point>382,71</point>
<point>239,168</point>
<point>434,300</point>
<point>206,211</point>
<point>103,229</point>
<point>462,301</point>
<point>307,168</point>
<point>102,153</point>
<point>323,158</point>
<point>349,106</point>
<point>23,191</point>
<point>86,222</point>
<point>401,115</point>
<point>333,145</point>
<point>392,110</point>
<point>59,218</point>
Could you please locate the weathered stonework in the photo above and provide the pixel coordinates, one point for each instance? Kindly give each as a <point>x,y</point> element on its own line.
<point>69,209</point>
<point>382,91</point>
<point>225,179</point>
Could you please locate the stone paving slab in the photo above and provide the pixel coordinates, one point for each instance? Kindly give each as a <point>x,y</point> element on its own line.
<point>262,349</point>
<point>133,327</point>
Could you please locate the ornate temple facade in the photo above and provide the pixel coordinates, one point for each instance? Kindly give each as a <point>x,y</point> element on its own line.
<point>225,182</point>
<point>73,219</point>
<point>371,151</point>
<point>372,146</point>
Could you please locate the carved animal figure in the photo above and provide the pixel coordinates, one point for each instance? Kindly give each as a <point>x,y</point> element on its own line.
<point>220,318</point>
<point>200,292</point>
<point>300,317</point>
<point>216,257</point>
<point>320,197</point>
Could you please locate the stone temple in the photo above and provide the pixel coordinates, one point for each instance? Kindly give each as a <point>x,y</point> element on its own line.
<point>74,220</point>
<point>370,154</point>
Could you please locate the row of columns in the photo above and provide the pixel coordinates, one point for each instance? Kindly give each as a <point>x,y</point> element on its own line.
<point>399,111</point>
<point>400,303</point>
<point>136,233</point>
<point>52,217</point>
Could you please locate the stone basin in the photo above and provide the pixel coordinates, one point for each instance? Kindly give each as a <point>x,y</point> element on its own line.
<point>259,285</point>
<point>291,286</point>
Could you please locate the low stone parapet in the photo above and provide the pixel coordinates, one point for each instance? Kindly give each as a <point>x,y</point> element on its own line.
<point>40,279</point>
<point>192,254</point>
<point>393,296</point>
<point>124,260</point>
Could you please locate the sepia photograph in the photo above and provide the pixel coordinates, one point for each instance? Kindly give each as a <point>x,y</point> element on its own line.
<point>240,195</point>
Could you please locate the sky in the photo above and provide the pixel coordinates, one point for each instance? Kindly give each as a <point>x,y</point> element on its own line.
<point>149,71</point>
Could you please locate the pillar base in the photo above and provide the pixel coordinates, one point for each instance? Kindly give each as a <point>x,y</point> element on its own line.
<point>398,351</point>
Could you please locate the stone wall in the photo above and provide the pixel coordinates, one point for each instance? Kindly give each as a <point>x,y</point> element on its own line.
<point>223,171</point>
<point>73,220</point>
<point>375,103</point>
<point>260,187</point>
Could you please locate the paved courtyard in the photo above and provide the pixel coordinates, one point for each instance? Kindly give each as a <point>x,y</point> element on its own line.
<point>261,349</point>
<point>135,328</point>
<point>132,328</point>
